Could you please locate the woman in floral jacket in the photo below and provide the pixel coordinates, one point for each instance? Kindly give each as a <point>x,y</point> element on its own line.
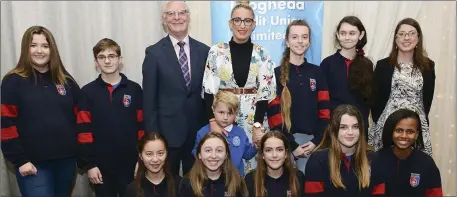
<point>245,69</point>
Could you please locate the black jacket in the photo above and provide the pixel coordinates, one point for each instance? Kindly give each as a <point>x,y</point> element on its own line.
<point>382,81</point>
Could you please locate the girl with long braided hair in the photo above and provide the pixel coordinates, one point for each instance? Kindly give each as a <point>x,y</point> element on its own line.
<point>301,107</point>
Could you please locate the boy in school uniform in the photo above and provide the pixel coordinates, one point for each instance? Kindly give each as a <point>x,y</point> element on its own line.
<point>110,121</point>
<point>225,107</point>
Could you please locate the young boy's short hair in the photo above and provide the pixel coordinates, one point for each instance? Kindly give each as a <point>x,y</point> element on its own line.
<point>228,98</point>
<point>105,44</point>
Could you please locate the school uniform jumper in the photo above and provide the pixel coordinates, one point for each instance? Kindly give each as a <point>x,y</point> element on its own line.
<point>39,126</point>
<point>318,182</point>
<point>110,123</point>
<point>151,189</point>
<point>276,187</point>
<point>309,111</point>
<point>415,176</point>
<point>336,71</point>
<point>211,188</point>
<point>239,145</point>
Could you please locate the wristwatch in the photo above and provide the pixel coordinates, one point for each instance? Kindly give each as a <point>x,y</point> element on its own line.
<point>257,125</point>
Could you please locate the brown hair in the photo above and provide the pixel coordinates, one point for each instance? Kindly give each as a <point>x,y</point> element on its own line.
<point>233,180</point>
<point>284,76</point>
<point>420,59</point>
<point>24,67</point>
<point>228,98</point>
<point>105,44</point>
<point>335,156</point>
<point>360,74</point>
<point>148,137</point>
<point>261,171</point>
<point>245,6</point>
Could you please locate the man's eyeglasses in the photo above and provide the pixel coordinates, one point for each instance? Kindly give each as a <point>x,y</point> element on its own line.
<point>247,21</point>
<point>403,34</point>
<point>102,58</point>
<point>181,13</point>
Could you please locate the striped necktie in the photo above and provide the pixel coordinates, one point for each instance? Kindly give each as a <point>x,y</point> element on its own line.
<point>184,63</point>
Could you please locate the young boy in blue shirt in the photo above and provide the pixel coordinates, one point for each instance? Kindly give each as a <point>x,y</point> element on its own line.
<point>225,107</point>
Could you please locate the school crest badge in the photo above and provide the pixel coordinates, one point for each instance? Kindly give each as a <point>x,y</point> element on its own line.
<point>226,194</point>
<point>236,141</point>
<point>127,100</point>
<point>289,193</point>
<point>312,84</point>
<point>414,179</point>
<point>61,90</point>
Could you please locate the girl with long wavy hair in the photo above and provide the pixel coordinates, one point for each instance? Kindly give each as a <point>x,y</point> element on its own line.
<point>405,79</point>
<point>38,102</point>
<point>213,173</point>
<point>275,175</point>
<point>348,72</point>
<point>153,177</point>
<point>343,164</point>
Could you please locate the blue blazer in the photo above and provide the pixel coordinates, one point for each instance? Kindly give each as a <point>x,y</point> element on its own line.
<point>170,108</point>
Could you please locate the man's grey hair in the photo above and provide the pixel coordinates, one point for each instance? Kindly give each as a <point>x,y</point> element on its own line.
<point>165,6</point>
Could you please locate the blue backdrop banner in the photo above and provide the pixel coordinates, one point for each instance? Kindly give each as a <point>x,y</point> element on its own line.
<point>272,18</point>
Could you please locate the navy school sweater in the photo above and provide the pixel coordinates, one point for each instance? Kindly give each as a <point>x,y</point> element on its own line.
<point>211,188</point>
<point>151,189</point>
<point>318,182</point>
<point>415,176</point>
<point>110,122</point>
<point>335,69</point>
<point>310,102</point>
<point>38,118</point>
<point>276,187</point>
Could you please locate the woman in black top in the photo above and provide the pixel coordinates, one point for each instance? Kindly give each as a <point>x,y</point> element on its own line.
<point>245,69</point>
<point>408,172</point>
<point>153,178</point>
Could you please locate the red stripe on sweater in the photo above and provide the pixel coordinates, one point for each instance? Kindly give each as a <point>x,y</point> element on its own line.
<point>9,110</point>
<point>9,133</point>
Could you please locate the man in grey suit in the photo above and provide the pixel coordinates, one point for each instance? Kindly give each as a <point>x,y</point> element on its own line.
<point>172,85</point>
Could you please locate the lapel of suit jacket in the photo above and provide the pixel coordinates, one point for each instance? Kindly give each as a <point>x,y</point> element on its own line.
<point>173,62</point>
<point>194,54</point>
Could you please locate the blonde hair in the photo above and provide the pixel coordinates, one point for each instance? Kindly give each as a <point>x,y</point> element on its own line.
<point>228,98</point>
<point>234,183</point>
<point>245,6</point>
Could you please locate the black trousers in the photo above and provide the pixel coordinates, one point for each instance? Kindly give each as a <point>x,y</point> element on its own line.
<point>182,154</point>
<point>113,185</point>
